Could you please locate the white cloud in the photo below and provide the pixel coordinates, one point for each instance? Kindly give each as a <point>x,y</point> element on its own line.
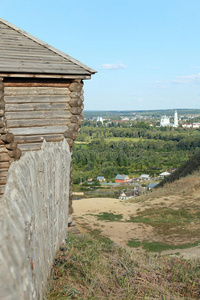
<point>187,79</point>
<point>116,66</point>
<point>161,84</point>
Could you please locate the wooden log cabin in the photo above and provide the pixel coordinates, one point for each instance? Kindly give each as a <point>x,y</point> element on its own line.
<point>41,96</point>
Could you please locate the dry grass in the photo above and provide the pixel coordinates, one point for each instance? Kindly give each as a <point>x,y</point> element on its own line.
<point>94,268</point>
<point>90,269</point>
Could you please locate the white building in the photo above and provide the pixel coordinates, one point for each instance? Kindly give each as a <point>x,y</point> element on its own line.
<point>196,125</point>
<point>164,174</point>
<point>165,121</point>
<point>175,119</point>
<point>100,119</point>
<point>187,125</point>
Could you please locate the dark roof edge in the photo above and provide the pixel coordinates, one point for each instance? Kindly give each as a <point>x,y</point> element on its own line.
<point>64,55</point>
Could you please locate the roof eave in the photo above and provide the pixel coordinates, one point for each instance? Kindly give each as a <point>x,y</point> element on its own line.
<point>45,75</point>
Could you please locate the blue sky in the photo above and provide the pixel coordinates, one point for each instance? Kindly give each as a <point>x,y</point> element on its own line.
<point>146,52</point>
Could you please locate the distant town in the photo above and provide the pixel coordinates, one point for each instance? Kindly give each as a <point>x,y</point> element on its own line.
<point>185,120</point>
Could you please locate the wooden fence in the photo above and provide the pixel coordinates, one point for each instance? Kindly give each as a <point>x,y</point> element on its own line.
<point>33,220</point>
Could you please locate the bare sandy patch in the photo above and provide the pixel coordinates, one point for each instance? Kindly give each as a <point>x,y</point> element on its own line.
<point>119,232</point>
<point>86,213</point>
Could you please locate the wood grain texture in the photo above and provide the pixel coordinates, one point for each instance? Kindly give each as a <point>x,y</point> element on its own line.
<point>30,147</point>
<point>35,114</point>
<point>35,106</point>
<point>38,138</point>
<point>37,122</point>
<point>4,157</point>
<point>38,130</point>
<point>20,51</point>
<point>35,91</point>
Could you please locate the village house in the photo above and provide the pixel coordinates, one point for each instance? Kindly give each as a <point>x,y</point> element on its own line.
<point>41,96</point>
<point>195,125</point>
<point>164,174</point>
<point>187,125</point>
<point>144,177</point>
<point>101,178</point>
<point>129,194</point>
<point>122,178</point>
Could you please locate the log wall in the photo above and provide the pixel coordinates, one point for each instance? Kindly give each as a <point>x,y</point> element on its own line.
<point>9,151</point>
<point>37,110</point>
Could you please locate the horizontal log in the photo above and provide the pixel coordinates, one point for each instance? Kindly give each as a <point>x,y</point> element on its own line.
<point>38,130</point>
<point>39,138</point>
<point>2,124</point>
<point>37,122</point>
<point>37,99</point>
<point>1,95</point>
<point>35,91</point>
<point>75,95</point>
<point>73,127</point>
<point>75,135</point>
<point>2,104</point>
<point>3,181</point>
<point>35,106</point>
<point>2,144</point>
<point>17,153</point>
<point>3,149</point>
<point>4,165</point>
<point>3,130</point>
<point>3,173</point>
<point>4,157</point>
<point>81,119</point>
<point>2,121</point>
<point>76,110</point>
<point>38,115</point>
<point>11,153</point>
<point>2,188</point>
<point>69,134</point>
<point>74,119</point>
<point>11,146</point>
<point>29,147</point>
<point>75,87</point>
<point>70,142</point>
<point>75,102</point>
<point>37,84</point>
<point>8,137</point>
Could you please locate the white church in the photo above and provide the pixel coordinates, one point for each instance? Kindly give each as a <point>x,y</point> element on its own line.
<point>165,121</point>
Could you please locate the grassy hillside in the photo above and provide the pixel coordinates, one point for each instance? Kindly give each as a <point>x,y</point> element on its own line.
<point>191,165</point>
<point>89,269</point>
<point>93,267</point>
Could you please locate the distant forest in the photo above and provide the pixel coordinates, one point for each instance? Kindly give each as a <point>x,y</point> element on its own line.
<point>130,113</point>
<point>130,148</point>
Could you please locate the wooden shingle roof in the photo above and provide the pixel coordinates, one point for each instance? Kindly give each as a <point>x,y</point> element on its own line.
<point>21,52</point>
